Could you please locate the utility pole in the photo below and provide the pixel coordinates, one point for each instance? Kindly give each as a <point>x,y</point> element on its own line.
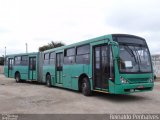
<point>5,51</point>
<point>26,48</point>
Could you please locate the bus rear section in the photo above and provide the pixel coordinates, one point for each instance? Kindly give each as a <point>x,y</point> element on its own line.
<point>23,67</point>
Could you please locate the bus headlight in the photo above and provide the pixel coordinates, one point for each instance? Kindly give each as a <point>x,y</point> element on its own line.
<point>123,80</point>
<point>151,80</point>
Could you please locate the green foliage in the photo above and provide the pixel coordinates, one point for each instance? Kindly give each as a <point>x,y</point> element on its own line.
<point>1,60</point>
<point>50,46</point>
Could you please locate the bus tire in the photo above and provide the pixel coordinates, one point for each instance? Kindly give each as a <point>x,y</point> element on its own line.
<point>86,89</point>
<point>48,81</point>
<point>17,78</point>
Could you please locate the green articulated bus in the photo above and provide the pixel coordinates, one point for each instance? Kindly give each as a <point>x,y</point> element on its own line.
<point>115,63</point>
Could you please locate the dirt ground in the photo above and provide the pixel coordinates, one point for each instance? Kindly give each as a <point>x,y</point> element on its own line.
<point>30,98</point>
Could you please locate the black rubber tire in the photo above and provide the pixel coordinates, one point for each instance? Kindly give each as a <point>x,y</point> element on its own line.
<point>86,89</point>
<point>17,78</point>
<point>48,81</point>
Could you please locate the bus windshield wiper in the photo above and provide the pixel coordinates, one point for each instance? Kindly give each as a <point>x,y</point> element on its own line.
<point>130,51</point>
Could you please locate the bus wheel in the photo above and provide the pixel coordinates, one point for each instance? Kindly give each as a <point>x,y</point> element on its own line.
<point>86,90</point>
<point>17,77</point>
<point>48,80</point>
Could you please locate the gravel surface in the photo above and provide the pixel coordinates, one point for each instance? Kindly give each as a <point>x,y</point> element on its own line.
<point>30,98</point>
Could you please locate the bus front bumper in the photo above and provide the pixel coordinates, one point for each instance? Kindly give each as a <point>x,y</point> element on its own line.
<point>131,88</point>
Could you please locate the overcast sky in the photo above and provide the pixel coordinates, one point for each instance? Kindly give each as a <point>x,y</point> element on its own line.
<point>38,22</point>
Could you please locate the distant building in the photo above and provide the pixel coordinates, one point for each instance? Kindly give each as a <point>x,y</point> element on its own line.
<point>1,60</point>
<point>156,64</point>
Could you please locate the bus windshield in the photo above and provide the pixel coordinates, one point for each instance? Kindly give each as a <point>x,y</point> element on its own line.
<point>134,55</point>
<point>134,59</point>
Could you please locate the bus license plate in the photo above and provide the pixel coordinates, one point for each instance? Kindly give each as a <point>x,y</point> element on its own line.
<point>140,87</point>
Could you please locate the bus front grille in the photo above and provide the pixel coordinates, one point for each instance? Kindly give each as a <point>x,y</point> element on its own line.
<point>138,80</point>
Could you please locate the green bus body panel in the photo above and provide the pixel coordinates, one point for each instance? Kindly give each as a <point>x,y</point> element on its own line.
<point>72,73</point>
<point>6,71</point>
<point>51,70</point>
<point>69,75</point>
<point>23,70</point>
<point>11,73</point>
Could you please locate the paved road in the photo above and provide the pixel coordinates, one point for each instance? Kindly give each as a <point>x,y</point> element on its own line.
<point>33,98</point>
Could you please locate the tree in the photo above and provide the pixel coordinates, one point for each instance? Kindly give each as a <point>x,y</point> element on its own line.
<point>51,45</point>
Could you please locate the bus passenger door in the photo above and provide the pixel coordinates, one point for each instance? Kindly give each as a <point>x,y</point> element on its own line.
<point>101,67</point>
<point>59,67</point>
<point>32,68</point>
<point>10,67</point>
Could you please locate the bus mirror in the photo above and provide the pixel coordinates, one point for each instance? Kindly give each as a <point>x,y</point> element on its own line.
<point>113,43</point>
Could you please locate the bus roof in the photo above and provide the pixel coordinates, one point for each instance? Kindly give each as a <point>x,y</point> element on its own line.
<point>81,43</point>
<point>127,35</point>
<point>21,54</point>
<point>109,36</point>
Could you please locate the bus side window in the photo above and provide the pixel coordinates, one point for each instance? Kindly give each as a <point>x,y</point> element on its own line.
<point>52,58</point>
<point>69,56</point>
<point>24,60</point>
<point>17,60</point>
<point>46,59</point>
<point>83,54</point>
